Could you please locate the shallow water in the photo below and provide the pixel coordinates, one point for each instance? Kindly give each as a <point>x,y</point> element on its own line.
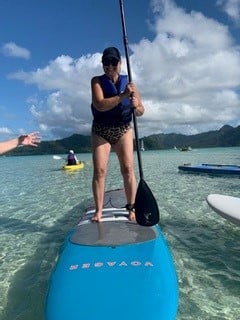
<point>40,202</point>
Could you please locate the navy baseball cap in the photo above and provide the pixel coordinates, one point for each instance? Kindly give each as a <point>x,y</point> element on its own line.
<point>111,53</point>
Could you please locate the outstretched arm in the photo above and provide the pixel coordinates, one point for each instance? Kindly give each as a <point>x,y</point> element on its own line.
<point>31,139</point>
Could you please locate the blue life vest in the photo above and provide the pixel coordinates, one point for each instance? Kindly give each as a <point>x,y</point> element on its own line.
<point>120,114</point>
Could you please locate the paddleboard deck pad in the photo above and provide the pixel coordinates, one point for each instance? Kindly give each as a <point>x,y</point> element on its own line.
<point>227,206</point>
<point>115,269</point>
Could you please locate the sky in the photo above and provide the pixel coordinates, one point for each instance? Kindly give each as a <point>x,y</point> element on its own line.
<point>184,58</point>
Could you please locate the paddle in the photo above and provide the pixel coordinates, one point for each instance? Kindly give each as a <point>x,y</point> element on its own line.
<point>57,157</point>
<point>146,208</point>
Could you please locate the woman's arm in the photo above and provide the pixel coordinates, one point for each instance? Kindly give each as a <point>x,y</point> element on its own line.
<point>105,104</point>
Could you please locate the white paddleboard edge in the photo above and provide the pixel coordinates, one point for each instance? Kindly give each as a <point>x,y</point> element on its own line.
<point>226,206</point>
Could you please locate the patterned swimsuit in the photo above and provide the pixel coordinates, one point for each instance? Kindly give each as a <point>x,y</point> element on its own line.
<point>111,134</point>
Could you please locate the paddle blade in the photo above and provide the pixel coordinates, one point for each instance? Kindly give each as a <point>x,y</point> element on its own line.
<point>57,157</point>
<point>146,208</point>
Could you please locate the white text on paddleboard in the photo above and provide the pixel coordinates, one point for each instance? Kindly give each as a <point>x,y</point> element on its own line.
<point>111,264</point>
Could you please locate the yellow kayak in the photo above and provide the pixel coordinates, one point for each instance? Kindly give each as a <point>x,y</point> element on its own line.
<point>74,167</point>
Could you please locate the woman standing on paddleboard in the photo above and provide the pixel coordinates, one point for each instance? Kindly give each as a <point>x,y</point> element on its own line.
<point>114,100</point>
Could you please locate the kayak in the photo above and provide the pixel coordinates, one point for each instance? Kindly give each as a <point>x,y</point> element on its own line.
<point>114,269</point>
<point>73,167</point>
<point>222,169</point>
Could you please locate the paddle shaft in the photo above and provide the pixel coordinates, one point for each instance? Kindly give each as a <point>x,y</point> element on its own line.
<point>146,208</point>
<point>125,41</point>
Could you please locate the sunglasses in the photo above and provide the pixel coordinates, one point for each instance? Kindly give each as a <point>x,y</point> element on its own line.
<point>108,62</point>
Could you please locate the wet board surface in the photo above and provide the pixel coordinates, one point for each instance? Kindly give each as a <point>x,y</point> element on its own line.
<point>115,228</point>
<point>115,269</point>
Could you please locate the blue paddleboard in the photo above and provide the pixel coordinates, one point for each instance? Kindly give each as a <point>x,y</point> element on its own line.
<point>115,269</point>
<point>217,169</point>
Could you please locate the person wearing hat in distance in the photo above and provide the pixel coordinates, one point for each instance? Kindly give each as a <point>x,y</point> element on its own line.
<point>114,100</point>
<point>71,158</point>
<point>30,139</point>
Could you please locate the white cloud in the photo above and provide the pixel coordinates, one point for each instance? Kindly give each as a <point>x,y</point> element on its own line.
<point>232,9</point>
<point>5,131</point>
<point>184,71</point>
<point>188,76</point>
<point>10,49</point>
<point>66,109</point>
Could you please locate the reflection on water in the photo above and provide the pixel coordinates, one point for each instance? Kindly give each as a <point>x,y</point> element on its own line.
<point>40,203</point>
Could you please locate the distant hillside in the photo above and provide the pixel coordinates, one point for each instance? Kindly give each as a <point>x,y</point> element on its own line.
<point>227,136</point>
<point>80,144</point>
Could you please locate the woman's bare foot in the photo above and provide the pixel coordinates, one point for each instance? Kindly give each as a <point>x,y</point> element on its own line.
<point>97,217</point>
<point>131,213</point>
<point>131,216</point>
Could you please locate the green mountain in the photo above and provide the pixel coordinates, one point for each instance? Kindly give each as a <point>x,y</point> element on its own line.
<point>227,136</point>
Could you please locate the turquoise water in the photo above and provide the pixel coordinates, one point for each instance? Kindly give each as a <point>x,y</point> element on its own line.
<point>40,202</point>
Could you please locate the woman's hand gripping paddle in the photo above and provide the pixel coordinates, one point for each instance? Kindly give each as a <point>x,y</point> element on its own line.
<point>146,208</point>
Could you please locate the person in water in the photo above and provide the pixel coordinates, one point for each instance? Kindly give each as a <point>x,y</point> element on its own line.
<point>30,139</point>
<point>114,100</point>
<point>72,159</point>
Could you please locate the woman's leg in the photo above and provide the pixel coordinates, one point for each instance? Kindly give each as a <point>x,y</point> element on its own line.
<point>124,151</point>
<point>101,149</point>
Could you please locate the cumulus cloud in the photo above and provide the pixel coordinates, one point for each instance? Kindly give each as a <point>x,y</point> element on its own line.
<point>10,49</point>
<point>231,8</point>
<point>5,131</point>
<point>66,109</point>
<point>188,76</point>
